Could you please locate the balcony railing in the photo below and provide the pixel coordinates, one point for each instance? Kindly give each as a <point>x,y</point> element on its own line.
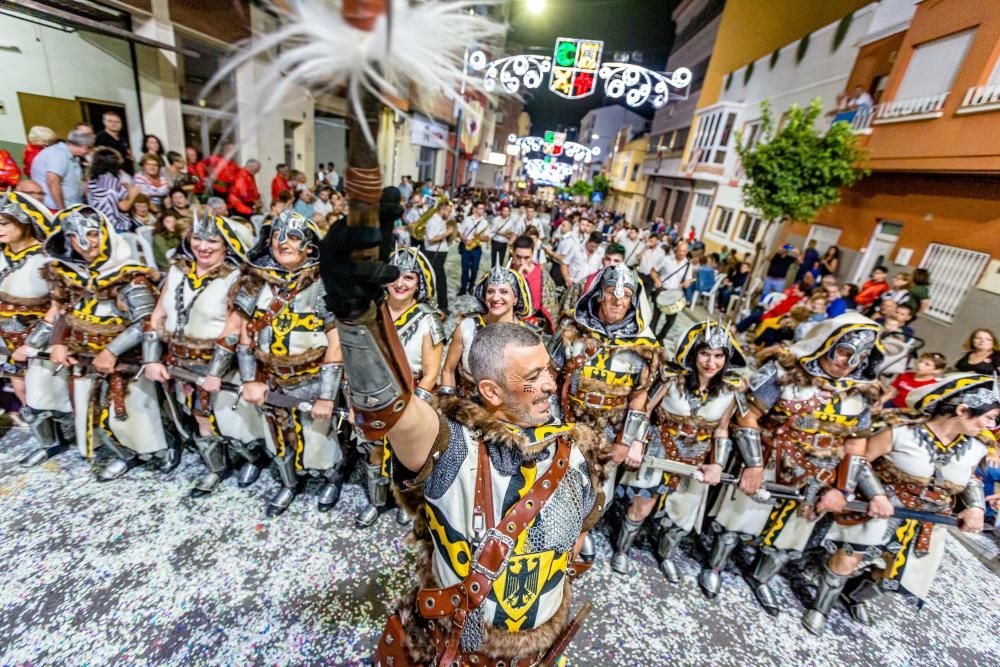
<point>917,108</point>
<point>981,98</point>
<point>860,120</point>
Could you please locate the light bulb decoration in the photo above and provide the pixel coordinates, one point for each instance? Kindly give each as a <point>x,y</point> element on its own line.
<point>574,71</point>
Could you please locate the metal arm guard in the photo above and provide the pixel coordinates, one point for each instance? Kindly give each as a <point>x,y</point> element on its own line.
<point>330,376</point>
<point>423,393</point>
<point>446,390</point>
<point>222,356</point>
<point>973,495</point>
<point>848,474</point>
<point>126,340</point>
<point>39,336</point>
<point>636,427</point>
<point>152,350</point>
<point>868,482</point>
<point>139,301</point>
<point>722,449</point>
<point>748,445</point>
<point>378,374</point>
<point>247,363</point>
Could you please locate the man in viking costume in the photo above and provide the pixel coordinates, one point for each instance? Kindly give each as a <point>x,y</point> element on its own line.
<point>24,300</point>
<point>608,359</point>
<point>409,300</point>
<point>812,408</point>
<point>197,324</point>
<point>289,345</point>
<point>929,466</point>
<point>692,404</point>
<point>101,301</point>
<point>503,493</point>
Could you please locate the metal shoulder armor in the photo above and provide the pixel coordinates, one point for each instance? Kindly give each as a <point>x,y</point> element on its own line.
<point>138,299</point>
<point>436,325</point>
<point>764,385</point>
<point>246,299</point>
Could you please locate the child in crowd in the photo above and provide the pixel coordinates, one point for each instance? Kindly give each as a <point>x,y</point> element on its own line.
<point>141,214</point>
<point>929,367</point>
<point>166,237</point>
<point>873,289</point>
<point>816,312</point>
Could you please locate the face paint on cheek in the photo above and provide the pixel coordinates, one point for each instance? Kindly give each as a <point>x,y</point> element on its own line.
<point>528,388</point>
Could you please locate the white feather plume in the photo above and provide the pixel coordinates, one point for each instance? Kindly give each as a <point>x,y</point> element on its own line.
<point>319,51</point>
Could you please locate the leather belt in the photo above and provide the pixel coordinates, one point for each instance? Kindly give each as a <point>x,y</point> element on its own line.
<point>493,551</point>
<point>292,370</point>
<point>593,399</point>
<point>186,353</point>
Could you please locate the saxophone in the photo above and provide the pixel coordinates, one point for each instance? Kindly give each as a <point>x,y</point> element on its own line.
<point>419,229</point>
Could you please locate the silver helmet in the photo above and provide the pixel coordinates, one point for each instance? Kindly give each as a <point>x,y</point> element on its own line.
<point>79,221</point>
<point>293,225</point>
<point>621,277</point>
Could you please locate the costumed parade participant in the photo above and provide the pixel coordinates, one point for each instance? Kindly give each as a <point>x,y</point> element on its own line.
<point>502,492</point>
<point>410,300</point>
<point>607,360</point>
<point>101,301</point>
<point>812,408</point>
<point>24,301</point>
<point>928,466</point>
<point>196,322</point>
<point>289,346</point>
<point>691,407</point>
<point>503,296</point>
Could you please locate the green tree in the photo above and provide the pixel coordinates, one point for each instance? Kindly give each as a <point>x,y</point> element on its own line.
<point>794,172</point>
<point>581,189</point>
<point>600,184</point>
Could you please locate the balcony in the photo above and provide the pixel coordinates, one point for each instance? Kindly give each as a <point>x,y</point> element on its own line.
<point>860,120</point>
<point>981,98</point>
<point>917,108</point>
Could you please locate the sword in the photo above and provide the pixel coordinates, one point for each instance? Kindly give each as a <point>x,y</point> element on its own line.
<point>785,492</point>
<point>561,643</point>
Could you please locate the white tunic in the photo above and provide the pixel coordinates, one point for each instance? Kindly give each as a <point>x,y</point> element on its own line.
<point>207,315</point>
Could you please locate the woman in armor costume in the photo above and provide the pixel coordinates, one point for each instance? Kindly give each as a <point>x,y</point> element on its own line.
<point>289,345</point>
<point>607,360</point>
<point>196,322</point>
<point>410,300</point>
<point>503,296</point>
<point>812,406</point>
<point>101,301</point>
<point>24,300</point>
<point>691,407</point>
<point>926,466</point>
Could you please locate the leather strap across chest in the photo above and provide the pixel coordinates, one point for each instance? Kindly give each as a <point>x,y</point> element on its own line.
<point>278,303</point>
<point>494,549</point>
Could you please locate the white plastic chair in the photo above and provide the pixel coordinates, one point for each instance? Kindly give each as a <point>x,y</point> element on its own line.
<point>142,250</point>
<point>711,295</point>
<point>145,234</point>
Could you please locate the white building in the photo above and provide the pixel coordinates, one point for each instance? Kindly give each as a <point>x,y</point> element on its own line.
<point>599,127</point>
<point>669,190</point>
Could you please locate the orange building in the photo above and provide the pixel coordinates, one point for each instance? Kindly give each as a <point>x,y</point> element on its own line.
<point>933,197</point>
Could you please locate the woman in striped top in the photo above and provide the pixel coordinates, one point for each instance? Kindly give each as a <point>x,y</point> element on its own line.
<point>106,192</point>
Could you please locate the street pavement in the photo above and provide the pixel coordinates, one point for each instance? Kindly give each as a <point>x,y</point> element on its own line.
<point>134,572</point>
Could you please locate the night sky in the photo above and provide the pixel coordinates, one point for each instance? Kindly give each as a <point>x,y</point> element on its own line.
<point>624,25</point>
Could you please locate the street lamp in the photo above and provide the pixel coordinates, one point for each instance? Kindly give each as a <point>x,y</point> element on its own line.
<point>535,6</point>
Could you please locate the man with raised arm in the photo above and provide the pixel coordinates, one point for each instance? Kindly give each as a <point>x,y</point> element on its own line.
<point>505,492</point>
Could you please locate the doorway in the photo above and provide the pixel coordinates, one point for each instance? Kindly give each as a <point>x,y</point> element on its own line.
<point>879,249</point>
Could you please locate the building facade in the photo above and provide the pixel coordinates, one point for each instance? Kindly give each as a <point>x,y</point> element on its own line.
<point>670,192</point>
<point>626,182</point>
<point>599,128</point>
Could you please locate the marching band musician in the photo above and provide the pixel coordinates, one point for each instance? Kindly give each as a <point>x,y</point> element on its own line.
<point>289,344</point>
<point>410,300</point>
<point>194,311</point>
<point>691,407</point>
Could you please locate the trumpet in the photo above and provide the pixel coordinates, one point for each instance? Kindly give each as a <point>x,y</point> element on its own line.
<point>419,230</point>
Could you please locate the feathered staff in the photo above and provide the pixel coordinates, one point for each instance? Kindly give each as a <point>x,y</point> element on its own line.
<point>355,47</point>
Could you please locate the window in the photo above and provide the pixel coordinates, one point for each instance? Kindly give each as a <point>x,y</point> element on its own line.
<point>635,172</point>
<point>953,271</point>
<point>712,141</point>
<point>751,133</point>
<point>723,219</point>
<point>703,200</point>
<point>933,65</point>
<point>749,228</point>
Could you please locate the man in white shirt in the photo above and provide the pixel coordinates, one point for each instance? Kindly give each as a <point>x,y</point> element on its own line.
<point>531,219</point>
<point>673,275</point>
<point>589,260</point>
<point>332,177</point>
<point>436,249</point>
<point>650,261</point>
<point>474,230</point>
<point>633,246</point>
<point>505,228</point>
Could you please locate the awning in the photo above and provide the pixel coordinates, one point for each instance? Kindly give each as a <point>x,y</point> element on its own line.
<point>43,11</point>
